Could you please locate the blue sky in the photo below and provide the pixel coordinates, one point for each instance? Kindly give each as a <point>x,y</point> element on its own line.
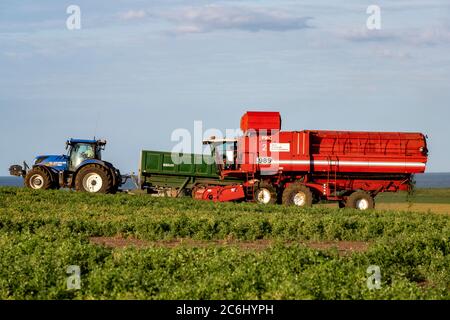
<point>137,70</point>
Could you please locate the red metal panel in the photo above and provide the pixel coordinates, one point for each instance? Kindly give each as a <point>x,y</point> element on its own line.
<point>257,121</point>
<point>346,152</point>
<point>220,193</point>
<point>390,152</point>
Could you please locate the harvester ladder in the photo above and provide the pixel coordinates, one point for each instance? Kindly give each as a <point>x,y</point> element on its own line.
<point>332,175</point>
<point>250,189</point>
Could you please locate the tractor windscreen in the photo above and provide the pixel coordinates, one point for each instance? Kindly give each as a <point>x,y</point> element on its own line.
<point>80,152</point>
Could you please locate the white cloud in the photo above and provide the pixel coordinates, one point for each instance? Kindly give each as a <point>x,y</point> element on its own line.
<point>364,35</point>
<point>188,29</point>
<point>217,17</point>
<point>395,54</point>
<point>432,36</point>
<point>420,37</point>
<point>133,15</point>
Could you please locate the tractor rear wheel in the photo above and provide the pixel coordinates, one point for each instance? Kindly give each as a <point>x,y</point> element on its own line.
<point>118,180</point>
<point>360,200</point>
<point>265,193</point>
<point>39,179</point>
<point>298,195</point>
<point>94,178</point>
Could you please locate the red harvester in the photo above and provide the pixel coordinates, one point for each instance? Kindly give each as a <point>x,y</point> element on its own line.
<point>303,167</point>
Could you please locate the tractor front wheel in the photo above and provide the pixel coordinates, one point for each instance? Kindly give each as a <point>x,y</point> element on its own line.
<point>38,179</point>
<point>94,178</point>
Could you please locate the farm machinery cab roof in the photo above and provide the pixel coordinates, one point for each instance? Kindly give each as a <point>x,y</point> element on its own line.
<point>100,143</point>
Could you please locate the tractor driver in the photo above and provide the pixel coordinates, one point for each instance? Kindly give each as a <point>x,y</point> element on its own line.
<point>87,153</point>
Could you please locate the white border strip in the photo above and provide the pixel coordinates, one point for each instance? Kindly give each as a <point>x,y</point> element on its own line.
<point>352,163</point>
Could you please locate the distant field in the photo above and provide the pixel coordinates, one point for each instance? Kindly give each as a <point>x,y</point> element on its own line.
<point>419,196</point>
<point>142,247</point>
<point>423,200</point>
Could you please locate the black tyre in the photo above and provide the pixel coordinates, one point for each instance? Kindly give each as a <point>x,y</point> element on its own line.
<point>94,178</point>
<point>360,200</point>
<point>118,180</point>
<point>265,193</point>
<point>39,179</point>
<point>297,195</point>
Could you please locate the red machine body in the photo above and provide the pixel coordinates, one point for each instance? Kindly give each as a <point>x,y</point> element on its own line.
<point>219,193</point>
<point>336,151</point>
<point>331,164</point>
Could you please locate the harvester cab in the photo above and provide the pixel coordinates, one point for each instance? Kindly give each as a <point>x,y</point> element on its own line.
<point>81,168</point>
<point>224,151</point>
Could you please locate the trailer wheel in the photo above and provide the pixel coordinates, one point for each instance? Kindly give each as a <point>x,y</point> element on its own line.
<point>265,193</point>
<point>94,178</point>
<point>360,200</point>
<point>38,179</point>
<point>298,195</point>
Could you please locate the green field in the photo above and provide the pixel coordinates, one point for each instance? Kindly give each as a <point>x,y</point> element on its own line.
<point>142,247</point>
<point>430,196</point>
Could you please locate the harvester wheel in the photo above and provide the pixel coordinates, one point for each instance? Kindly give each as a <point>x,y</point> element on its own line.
<point>360,200</point>
<point>94,178</point>
<point>265,193</point>
<point>39,179</point>
<point>298,195</point>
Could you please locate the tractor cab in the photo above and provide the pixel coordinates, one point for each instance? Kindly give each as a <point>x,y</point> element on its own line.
<point>82,150</point>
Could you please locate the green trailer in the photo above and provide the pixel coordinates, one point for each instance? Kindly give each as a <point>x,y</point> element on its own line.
<point>160,174</point>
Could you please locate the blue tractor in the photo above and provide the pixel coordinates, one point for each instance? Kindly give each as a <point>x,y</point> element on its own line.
<point>81,169</point>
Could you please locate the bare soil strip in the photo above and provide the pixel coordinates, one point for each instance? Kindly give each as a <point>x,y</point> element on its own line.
<point>344,247</point>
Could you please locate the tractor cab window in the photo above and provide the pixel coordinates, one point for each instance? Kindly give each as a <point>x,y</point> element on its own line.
<point>225,154</point>
<point>80,152</point>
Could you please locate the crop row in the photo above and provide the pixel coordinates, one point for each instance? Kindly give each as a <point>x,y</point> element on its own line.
<point>151,218</point>
<point>34,267</point>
